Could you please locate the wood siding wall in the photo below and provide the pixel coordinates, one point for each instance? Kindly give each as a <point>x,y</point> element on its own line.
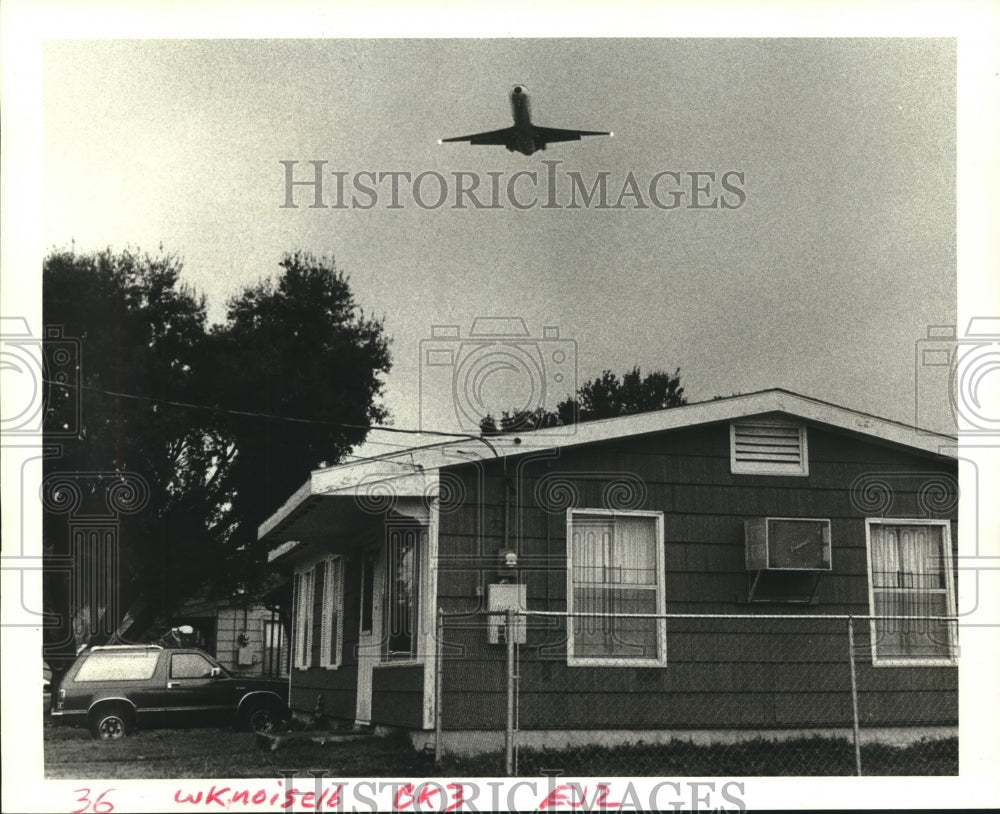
<point>231,623</point>
<point>222,625</point>
<point>718,674</point>
<point>397,695</point>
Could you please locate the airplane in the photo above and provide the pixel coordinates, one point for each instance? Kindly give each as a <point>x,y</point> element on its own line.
<point>524,137</point>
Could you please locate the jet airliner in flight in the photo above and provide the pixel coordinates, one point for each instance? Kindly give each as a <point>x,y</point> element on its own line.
<point>525,137</point>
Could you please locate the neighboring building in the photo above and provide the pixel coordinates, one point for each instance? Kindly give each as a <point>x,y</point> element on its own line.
<point>248,640</point>
<point>769,503</point>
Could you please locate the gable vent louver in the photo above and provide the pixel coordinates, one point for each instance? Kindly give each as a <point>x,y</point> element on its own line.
<point>768,448</point>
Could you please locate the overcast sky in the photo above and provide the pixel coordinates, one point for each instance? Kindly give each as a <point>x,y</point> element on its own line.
<point>821,282</point>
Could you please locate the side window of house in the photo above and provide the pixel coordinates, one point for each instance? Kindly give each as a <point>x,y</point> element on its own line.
<point>303,625</point>
<point>332,624</point>
<point>768,446</point>
<point>368,566</point>
<point>189,665</point>
<point>402,592</point>
<point>911,576</point>
<point>273,638</point>
<point>615,567</point>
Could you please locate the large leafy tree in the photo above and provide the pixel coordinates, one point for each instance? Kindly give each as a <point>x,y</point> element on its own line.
<point>210,428</point>
<point>305,362</point>
<point>606,396</point>
<point>141,337</point>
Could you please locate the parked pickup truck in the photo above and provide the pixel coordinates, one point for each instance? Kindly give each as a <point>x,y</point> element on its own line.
<point>112,690</point>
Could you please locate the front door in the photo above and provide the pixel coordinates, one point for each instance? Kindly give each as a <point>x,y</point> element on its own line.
<point>369,637</point>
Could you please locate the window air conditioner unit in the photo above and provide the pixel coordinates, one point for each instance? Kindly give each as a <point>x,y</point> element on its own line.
<point>787,544</point>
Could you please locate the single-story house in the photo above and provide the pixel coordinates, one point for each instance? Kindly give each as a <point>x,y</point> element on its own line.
<point>753,526</point>
<point>247,639</point>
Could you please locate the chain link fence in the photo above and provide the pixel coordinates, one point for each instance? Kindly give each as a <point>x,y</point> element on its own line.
<point>762,694</point>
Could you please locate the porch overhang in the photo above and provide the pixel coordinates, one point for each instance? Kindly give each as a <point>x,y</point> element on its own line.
<point>324,511</point>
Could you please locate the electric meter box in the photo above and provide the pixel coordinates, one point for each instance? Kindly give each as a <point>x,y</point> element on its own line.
<point>503,596</point>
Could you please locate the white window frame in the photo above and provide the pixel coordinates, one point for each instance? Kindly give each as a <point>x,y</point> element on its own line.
<point>800,469</point>
<point>948,554</point>
<point>661,628</point>
<point>333,600</point>
<point>302,622</point>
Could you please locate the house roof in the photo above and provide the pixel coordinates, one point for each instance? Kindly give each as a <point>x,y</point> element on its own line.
<point>413,471</point>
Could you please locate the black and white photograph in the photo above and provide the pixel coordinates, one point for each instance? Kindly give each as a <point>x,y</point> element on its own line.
<point>425,411</point>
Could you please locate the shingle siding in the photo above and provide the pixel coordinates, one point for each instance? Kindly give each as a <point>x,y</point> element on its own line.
<point>718,674</point>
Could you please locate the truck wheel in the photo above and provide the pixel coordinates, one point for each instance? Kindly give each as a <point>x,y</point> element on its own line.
<point>261,716</point>
<point>109,723</point>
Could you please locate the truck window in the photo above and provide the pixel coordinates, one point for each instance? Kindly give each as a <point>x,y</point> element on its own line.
<point>118,667</point>
<point>190,665</point>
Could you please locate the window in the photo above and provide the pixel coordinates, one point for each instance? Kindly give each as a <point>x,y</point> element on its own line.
<point>190,665</point>
<point>274,640</point>
<point>118,666</point>
<point>368,590</point>
<point>303,624</point>
<point>402,592</point>
<point>910,575</point>
<point>332,623</point>
<point>615,567</point>
<point>768,447</point>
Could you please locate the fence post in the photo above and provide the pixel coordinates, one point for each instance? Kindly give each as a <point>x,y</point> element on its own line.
<point>438,687</point>
<point>509,635</point>
<point>854,695</point>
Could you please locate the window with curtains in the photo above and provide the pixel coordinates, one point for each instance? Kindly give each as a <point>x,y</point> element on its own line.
<point>615,569</point>
<point>303,621</point>
<point>911,576</point>
<point>332,621</point>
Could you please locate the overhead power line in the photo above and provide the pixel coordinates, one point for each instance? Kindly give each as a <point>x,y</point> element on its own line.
<point>269,416</point>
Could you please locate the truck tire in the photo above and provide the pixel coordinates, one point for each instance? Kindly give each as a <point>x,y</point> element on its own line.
<point>110,722</point>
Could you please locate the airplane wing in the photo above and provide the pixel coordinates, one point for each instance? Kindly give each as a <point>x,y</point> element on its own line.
<point>551,134</point>
<point>502,137</point>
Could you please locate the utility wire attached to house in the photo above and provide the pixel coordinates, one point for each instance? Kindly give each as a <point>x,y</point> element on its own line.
<point>271,417</point>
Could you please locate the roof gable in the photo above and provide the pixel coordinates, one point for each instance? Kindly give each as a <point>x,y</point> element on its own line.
<point>413,471</point>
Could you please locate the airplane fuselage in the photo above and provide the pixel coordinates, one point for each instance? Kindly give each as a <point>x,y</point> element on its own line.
<point>520,110</point>
<point>524,136</point>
